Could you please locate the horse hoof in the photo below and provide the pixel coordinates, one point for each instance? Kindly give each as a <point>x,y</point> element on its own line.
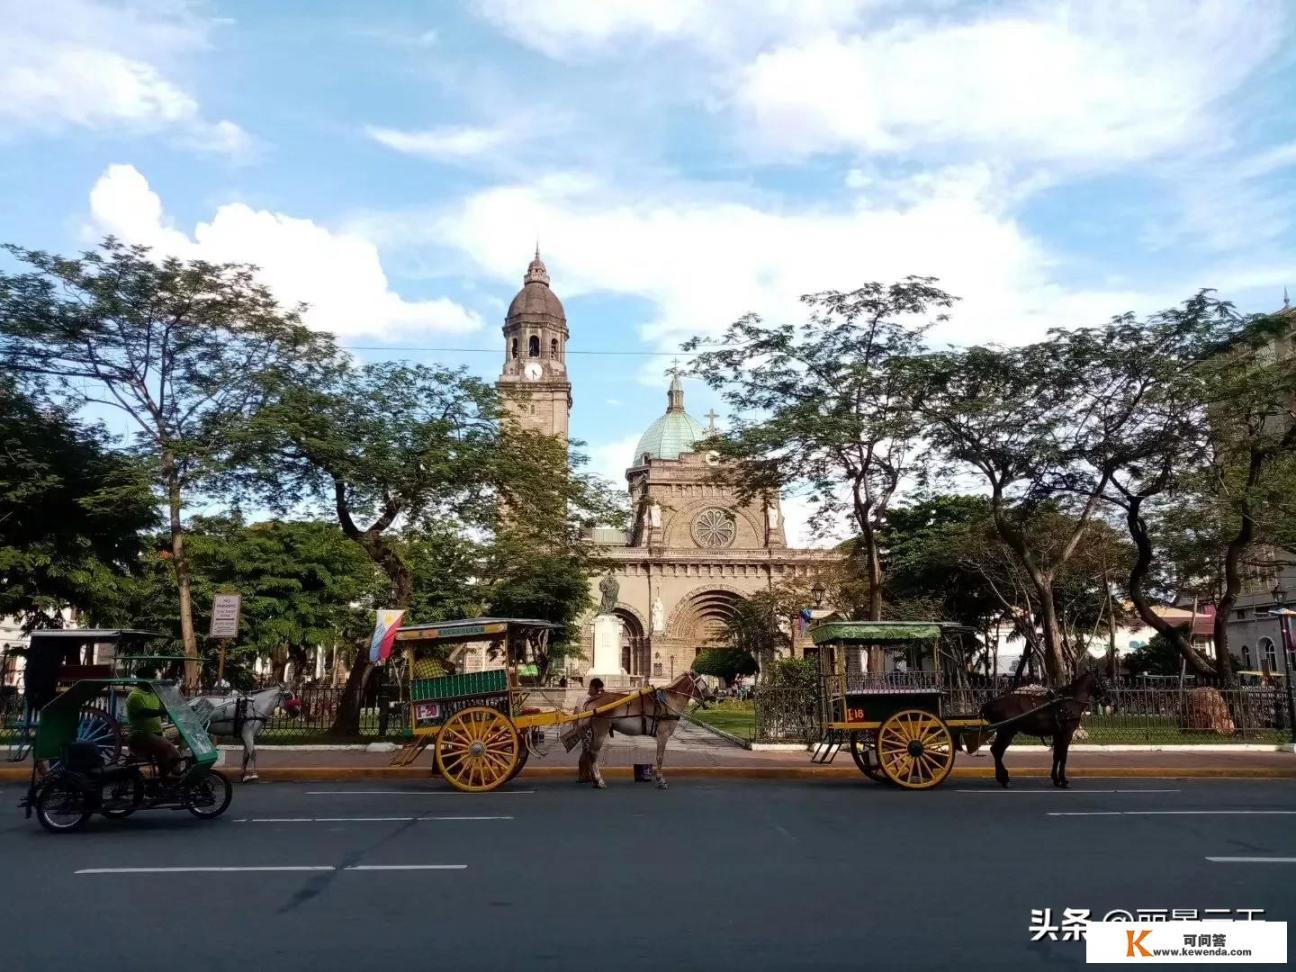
<point>600,785</point>
<point>662,785</point>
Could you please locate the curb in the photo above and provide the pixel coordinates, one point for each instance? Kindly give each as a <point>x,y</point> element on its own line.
<point>822,774</point>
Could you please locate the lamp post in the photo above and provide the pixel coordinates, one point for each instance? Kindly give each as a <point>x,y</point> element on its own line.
<point>1282,613</point>
<point>817,593</point>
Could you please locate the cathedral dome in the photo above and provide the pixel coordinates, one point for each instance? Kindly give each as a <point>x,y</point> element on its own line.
<point>535,299</point>
<point>674,433</point>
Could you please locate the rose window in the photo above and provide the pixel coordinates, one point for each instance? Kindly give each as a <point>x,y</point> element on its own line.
<point>714,528</point>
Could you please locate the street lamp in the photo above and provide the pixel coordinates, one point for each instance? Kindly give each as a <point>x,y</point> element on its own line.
<point>1282,613</point>
<point>817,593</point>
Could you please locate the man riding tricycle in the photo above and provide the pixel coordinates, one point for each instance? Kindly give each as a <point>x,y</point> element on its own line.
<point>71,779</point>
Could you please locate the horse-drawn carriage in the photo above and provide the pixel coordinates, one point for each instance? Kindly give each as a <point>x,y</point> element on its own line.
<point>475,697</point>
<point>898,695</point>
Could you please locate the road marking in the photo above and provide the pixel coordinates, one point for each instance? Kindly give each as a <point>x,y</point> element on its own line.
<point>197,870</point>
<point>1059,790</point>
<point>1167,813</point>
<point>1252,860</point>
<point>277,820</point>
<point>404,792</point>
<point>407,867</point>
<point>465,818</point>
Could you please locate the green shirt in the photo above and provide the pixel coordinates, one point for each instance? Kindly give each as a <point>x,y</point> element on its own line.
<point>140,706</point>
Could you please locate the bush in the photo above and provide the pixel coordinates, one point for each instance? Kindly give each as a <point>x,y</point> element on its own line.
<point>791,673</point>
<point>726,663</point>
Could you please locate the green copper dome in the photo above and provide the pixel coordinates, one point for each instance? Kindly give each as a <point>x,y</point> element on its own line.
<point>674,433</point>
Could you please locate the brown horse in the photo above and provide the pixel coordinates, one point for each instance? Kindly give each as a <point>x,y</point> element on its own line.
<point>1052,714</point>
<point>655,713</point>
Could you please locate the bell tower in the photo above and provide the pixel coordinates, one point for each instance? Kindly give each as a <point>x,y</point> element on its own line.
<point>533,381</point>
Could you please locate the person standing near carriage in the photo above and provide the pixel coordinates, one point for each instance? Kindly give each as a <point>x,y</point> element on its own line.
<point>584,771</point>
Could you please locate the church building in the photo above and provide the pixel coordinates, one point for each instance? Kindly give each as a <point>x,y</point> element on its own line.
<point>694,550</point>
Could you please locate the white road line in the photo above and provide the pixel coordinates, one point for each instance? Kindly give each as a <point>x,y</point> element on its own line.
<point>1068,792</point>
<point>1252,860</point>
<point>407,867</point>
<point>278,820</point>
<point>197,870</point>
<point>405,792</point>
<point>465,818</point>
<point>1168,813</point>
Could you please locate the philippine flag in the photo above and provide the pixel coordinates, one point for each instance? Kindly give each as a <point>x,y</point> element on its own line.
<point>384,635</point>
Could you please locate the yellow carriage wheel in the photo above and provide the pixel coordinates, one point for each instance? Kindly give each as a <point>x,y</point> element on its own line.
<point>915,749</point>
<point>477,749</point>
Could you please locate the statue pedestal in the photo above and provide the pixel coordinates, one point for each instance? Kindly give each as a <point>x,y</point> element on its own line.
<point>607,647</point>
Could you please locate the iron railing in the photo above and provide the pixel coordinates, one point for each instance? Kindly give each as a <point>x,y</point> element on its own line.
<point>1132,711</point>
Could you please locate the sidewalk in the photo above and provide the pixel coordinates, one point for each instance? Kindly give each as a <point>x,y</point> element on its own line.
<point>695,752</point>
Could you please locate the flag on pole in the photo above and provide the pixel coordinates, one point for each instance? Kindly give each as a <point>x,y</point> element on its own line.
<point>384,635</point>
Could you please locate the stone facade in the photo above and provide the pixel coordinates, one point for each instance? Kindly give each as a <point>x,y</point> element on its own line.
<point>533,381</point>
<point>695,550</point>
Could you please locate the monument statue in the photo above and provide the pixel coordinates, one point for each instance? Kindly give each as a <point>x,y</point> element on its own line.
<point>654,516</point>
<point>658,616</point>
<point>772,515</point>
<point>610,590</point>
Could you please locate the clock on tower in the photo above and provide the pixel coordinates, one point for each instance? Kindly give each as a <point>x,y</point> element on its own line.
<point>533,381</point>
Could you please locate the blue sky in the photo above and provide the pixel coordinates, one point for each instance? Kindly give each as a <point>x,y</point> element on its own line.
<point>681,161</point>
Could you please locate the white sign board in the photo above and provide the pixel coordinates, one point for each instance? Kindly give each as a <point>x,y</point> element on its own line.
<point>225,616</point>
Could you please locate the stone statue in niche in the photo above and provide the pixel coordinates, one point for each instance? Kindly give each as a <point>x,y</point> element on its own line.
<point>658,616</point>
<point>611,590</point>
<point>654,516</point>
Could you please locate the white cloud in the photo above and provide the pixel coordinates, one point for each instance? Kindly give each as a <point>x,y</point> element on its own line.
<point>570,28</point>
<point>338,274</point>
<point>80,64</point>
<point>703,262</point>
<point>449,143</point>
<point>611,459</point>
<point>1102,83</point>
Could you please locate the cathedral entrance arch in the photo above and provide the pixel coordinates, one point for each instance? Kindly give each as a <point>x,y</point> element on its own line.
<point>634,641</point>
<point>700,619</point>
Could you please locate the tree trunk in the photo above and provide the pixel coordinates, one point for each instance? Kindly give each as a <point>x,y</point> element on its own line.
<point>1138,576</point>
<point>1233,554</point>
<point>183,571</point>
<point>401,578</point>
<point>1055,665</point>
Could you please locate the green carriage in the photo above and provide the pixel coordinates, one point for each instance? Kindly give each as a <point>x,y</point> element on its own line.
<point>896,694</point>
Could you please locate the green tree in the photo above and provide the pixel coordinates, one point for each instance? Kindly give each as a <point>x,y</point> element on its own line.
<point>390,447</point>
<point>303,584</point>
<point>760,626</point>
<point>1039,424</point>
<point>185,349</point>
<point>832,404</point>
<point>726,663</point>
<point>72,513</point>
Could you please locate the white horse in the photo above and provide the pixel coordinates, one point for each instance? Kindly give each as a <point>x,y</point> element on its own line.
<point>244,716</point>
<point>655,713</point>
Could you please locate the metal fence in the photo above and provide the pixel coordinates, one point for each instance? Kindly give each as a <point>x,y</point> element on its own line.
<point>1134,711</point>
<point>383,714</point>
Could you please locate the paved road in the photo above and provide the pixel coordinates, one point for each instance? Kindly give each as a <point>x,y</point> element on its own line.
<point>710,874</point>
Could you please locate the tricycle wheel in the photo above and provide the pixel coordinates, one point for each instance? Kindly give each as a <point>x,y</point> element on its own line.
<point>477,749</point>
<point>122,797</point>
<point>62,805</point>
<point>915,749</point>
<point>861,747</point>
<point>208,796</point>
<point>98,727</point>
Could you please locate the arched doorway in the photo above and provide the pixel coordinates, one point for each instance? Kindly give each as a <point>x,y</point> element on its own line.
<point>702,619</point>
<point>634,643</point>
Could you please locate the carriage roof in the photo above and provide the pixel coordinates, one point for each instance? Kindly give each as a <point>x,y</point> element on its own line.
<point>473,629</point>
<point>92,635</point>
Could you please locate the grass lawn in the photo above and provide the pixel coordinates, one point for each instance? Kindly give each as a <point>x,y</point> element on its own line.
<point>736,718</point>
